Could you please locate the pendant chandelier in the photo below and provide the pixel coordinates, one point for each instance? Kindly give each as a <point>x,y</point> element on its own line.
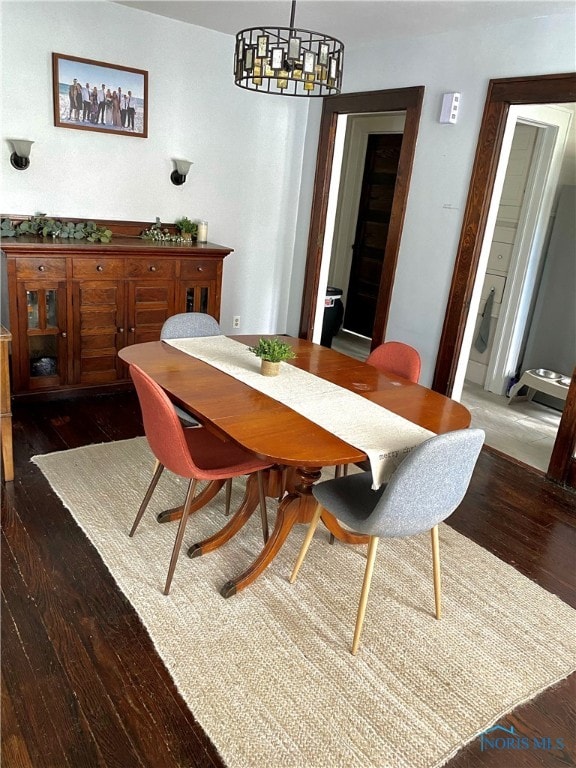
<point>288,61</point>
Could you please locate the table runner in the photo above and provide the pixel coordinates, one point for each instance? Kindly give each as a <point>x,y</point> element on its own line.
<point>383,436</point>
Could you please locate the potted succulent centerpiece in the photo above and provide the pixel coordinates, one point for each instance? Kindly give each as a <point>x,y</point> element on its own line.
<point>187,228</point>
<point>272,352</point>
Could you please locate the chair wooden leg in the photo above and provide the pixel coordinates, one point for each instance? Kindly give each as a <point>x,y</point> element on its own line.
<point>153,483</point>
<point>180,534</point>
<point>228,495</point>
<point>436,571</point>
<point>283,479</point>
<point>337,474</point>
<point>306,543</point>
<point>341,470</point>
<point>263,510</point>
<point>372,546</point>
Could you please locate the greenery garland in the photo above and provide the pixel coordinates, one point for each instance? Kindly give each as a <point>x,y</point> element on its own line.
<point>41,226</point>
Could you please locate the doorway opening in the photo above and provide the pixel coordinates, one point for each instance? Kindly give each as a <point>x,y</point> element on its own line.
<point>370,157</point>
<point>527,251</point>
<point>474,247</point>
<point>336,112</point>
<point>514,251</point>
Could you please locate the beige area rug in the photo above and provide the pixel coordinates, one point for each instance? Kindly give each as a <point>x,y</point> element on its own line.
<point>268,673</point>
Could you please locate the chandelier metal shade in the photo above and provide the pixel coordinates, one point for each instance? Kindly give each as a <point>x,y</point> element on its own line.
<point>288,61</point>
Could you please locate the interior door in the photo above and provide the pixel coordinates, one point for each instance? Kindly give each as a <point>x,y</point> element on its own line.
<point>374,213</point>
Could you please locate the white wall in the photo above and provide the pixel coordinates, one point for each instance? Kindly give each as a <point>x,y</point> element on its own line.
<point>254,155</point>
<point>246,147</point>
<point>445,153</point>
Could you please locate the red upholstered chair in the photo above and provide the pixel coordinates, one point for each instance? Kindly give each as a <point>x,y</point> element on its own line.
<point>391,357</point>
<point>398,358</point>
<point>197,454</point>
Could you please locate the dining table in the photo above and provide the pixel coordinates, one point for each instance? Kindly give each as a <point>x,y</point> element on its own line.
<point>297,447</point>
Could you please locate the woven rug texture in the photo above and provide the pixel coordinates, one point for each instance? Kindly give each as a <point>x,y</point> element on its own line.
<point>268,673</point>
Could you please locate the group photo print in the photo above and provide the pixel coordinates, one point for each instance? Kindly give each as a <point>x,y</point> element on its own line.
<point>98,96</point>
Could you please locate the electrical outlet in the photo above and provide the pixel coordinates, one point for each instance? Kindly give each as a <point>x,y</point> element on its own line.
<point>236,321</point>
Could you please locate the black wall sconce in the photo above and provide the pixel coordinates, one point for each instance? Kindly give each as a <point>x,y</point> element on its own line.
<point>179,175</point>
<point>20,158</point>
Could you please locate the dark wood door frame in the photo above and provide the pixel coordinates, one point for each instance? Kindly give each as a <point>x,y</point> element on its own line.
<point>396,100</point>
<point>502,93</point>
<point>546,89</point>
<point>562,468</point>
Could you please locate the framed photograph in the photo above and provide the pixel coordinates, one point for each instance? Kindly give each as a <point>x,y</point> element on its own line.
<point>97,96</point>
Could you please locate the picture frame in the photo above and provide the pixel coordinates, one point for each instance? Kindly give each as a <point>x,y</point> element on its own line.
<point>119,105</point>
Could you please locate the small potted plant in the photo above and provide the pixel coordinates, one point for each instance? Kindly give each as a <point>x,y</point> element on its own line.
<point>186,228</point>
<point>272,352</point>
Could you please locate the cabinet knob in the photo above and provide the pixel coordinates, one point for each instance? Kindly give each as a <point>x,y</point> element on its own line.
<point>132,329</point>
<point>41,268</point>
<point>120,330</point>
<point>152,268</point>
<point>99,268</point>
<point>200,269</point>
<point>64,335</point>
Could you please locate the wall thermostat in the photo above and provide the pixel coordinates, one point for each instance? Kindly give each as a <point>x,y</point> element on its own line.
<point>450,107</point>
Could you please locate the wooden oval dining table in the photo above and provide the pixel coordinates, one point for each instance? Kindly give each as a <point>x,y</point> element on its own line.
<point>298,447</point>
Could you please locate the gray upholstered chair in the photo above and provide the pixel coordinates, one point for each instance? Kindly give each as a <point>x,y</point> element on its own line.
<point>188,325</point>
<point>425,489</point>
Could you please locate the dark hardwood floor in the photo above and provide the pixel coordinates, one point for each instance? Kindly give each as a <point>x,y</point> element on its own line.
<point>81,683</point>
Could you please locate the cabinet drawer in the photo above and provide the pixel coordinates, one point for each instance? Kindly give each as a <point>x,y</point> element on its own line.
<point>505,233</point>
<point>94,268</point>
<point>144,267</point>
<point>198,269</point>
<point>49,268</point>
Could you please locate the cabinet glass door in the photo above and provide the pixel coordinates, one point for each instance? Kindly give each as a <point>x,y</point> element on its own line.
<point>42,308</point>
<point>199,299</point>
<point>43,361</point>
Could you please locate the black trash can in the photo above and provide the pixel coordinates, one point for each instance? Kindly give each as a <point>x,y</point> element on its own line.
<point>333,315</point>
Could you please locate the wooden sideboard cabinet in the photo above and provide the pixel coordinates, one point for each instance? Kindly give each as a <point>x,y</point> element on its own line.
<point>74,304</point>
